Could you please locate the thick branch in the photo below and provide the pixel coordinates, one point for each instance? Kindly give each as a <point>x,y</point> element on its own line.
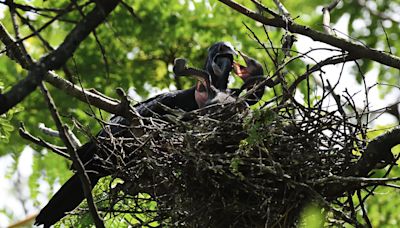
<point>100,101</point>
<point>57,58</point>
<point>77,163</point>
<point>354,49</point>
<point>377,151</point>
<point>13,49</point>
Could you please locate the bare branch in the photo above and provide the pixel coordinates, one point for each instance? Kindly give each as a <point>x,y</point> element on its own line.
<point>378,150</point>
<point>55,59</point>
<point>31,8</point>
<point>13,49</point>
<point>364,211</point>
<point>329,61</point>
<point>264,8</point>
<point>353,49</point>
<point>360,180</point>
<point>75,141</point>
<point>48,131</point>
<point>77,163</point>
<point>282,8</point>
<point>333,4</point>
<point>88,96</point>
<point>326,21</point>
<point>62,151</point>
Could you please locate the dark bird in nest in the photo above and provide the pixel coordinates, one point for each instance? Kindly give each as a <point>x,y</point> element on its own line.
<point>219,64</point>
<point>205,92</point>
<point>211,81</point>
<point>252,74</point>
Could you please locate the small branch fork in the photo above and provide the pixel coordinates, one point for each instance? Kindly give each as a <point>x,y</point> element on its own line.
<point>326,21</point>
<point>62,151</point>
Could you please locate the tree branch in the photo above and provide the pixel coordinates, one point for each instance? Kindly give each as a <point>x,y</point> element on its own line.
<point>75,141</point>
<point>77,163</point>
<point>38,141</point>
<point>329,61</point>
<point>282,8</point>
<point>356,50</point>
<point>55,59</point>
<point>326,21</point>
<point>100,101</point>
<point>14,51</point>
<point>377,151</point>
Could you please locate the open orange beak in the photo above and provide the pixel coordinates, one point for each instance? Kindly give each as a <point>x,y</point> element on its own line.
<point>241,70</point>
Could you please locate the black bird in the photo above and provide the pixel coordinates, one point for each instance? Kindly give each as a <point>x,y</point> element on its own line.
<point>251,74</point>
<point>219,63</point>
<point>205,93</point>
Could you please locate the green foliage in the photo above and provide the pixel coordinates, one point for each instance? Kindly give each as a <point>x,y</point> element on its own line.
<point>234,167</point>
<point>5,128</point>
<point>259,120</point>
<point>383,209</point>
<point>312,217</point>
<point>81,216</point>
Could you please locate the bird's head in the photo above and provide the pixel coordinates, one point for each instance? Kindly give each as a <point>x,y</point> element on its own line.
<point>219,63</point>
<point>252,68</point>
<point>205,93</point>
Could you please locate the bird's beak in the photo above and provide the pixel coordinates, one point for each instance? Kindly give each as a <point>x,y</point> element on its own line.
<point>223,60</point>
<point>181,69</point>
<point>245,57</point>
<point>240,70</point>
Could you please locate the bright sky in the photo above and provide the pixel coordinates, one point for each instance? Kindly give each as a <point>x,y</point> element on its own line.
<point>347,80</point>
<point>10,196</point>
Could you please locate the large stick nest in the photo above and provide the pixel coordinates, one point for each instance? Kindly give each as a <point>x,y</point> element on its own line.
<point>230,166</point>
